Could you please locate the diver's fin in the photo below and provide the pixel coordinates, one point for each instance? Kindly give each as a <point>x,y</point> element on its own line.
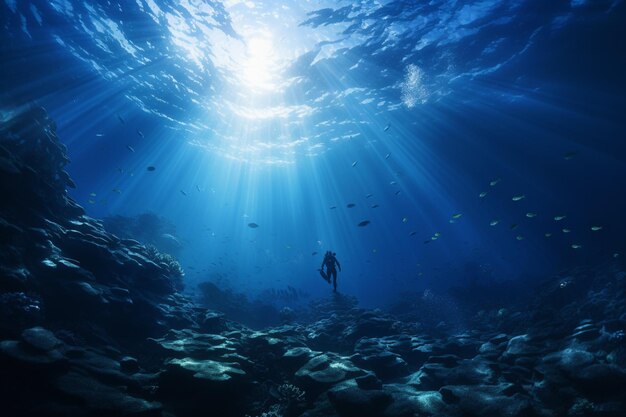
<point>323,274</point>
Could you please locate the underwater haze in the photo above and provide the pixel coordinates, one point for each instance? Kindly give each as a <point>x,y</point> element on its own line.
<point>458,157</point>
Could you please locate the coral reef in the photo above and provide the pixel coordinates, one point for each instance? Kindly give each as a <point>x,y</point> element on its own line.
<point>147,228</point>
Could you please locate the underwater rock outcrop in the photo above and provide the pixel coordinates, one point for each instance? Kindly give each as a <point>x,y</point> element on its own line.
<point>94,325</point>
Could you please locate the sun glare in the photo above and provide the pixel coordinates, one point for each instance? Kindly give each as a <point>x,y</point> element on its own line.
<point>260,67</point>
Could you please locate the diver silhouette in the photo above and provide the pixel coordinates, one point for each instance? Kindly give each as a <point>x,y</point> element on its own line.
<point>330,261</point>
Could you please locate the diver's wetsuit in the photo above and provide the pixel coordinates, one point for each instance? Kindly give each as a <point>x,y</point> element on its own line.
<point>330,261</point>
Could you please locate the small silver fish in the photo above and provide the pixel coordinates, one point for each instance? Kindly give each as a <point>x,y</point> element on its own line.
<point>531,215</point>
<point>494,222</point>
<point>596,228</point>
<point>575,246</point>
<point>559,218</point>
<point>495,182</point>
<point>354,163</point>
<point>483,194</point>
<point>518,197</point>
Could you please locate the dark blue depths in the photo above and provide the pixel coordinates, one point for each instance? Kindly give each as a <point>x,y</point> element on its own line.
<point>168,199</point>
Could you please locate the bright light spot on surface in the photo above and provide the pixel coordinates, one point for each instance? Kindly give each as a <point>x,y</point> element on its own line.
<point>260,67</point>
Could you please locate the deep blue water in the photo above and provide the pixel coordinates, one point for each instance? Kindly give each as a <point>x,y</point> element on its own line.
<point>273,113</point>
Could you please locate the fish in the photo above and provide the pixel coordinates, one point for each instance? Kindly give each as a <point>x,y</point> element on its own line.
<point>518,197</point>
<point>333,207</point>
<point>151,168</point>
<point>437,234</point>
<point>451,221</point>
<point>368,196</point>
<point>494,222</point>
<point>413,233</point>
<point>427,241</point>
<point>198,188</point>
<point>576,246</point>
<point>392,183</point>
<point>531,215</point>
<point>566,230</point>
<point>314,253</point>
<point>548,234</point>
<point>253,225</point>
<point>387,127</point>
<point>350,205</point>
<point>92,194</point>
<point>596,228</point>
<point>117,190</point>
<point>519,237</point>
<point>387,156</point>
<point>91,201</point>
<point>363,223</point>
<point>183,192</point>
<point>405,219</point>
<point>354,163</point>
<point>456,216</point>
<point>559,218</point>
<point>99,135</point>
<point>375,205</point>
<point>514,226</point>
<point>121,119</point>
<point>130,148</point>
<point>483,194</point>
<point>140,133</point>
<point>397,192</point>
<point>615,255</point>
<point>495,182</point>
<point>569,155</point>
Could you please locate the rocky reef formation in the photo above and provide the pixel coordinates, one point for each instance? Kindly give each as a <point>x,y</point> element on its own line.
<point>148,228</point>
<point>93,325</point>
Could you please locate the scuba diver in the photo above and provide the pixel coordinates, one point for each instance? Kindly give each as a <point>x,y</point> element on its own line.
<point>330,261</point>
